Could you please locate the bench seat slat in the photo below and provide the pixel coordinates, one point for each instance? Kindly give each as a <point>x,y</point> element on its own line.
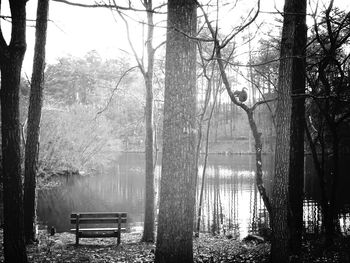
<point>98,220</point>
<point>98,215</point>
<point>98,234</point>
<point>98,229</point>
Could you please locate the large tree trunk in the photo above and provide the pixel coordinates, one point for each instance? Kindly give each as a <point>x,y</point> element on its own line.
<point>11,59</point>
<point>14,248</point>
<point>292,37</point>
<point>296,166</point>
<point>34,116</point>
<point>177,193</point>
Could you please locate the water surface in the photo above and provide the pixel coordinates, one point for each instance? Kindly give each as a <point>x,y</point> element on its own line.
<point>231,203</point>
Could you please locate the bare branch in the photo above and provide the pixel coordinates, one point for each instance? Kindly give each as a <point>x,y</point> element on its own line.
<point>263,102</point>
<point>158,46</point>
<point>266,78</point>
<point>193,37</point>
<point>315,97</point>
<point>104,5</point>
<point>228,39</point>
<point>90,5</point>
<point>115,89</point>
<point>249,111</point>
<point>139,62</point>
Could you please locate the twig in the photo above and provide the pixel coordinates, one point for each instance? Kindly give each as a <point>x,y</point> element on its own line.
<point>115,89</point>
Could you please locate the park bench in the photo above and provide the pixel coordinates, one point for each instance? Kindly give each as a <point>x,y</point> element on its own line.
<point>99,224</point>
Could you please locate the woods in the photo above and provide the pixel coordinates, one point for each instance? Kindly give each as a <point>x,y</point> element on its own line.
<point>213,82</point>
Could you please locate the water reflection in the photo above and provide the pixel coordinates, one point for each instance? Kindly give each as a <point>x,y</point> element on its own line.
<point>231,203</point>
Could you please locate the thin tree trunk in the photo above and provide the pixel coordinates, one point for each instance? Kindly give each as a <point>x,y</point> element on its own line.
<point>332,215</point>
<point>254,129</point>
<point>205,166</point>
<point>34,116</point>
<point>148,231</point>
<point>319,166</point>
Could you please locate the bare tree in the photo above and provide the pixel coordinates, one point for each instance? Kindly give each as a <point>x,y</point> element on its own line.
<point>210,81</point>
<point>328,104</point>
<point>34,116</point>
<point>291,46</point>
<point>235,96</point>
<point>147,73</point>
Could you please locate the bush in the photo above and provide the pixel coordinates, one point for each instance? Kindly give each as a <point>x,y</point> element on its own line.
<point>73,138</point>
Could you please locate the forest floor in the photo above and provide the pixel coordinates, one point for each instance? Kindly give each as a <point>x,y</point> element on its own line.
<point>61,248</point>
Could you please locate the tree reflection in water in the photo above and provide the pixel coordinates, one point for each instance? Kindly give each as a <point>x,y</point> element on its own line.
<point>232,205</point>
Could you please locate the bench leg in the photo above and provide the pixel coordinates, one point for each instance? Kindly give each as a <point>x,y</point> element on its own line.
<point>118,238</point>
<point>77,239</point>
<point>119,227</point>
<point>77,230</point>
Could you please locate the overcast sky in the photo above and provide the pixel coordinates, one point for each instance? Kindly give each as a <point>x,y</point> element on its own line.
<point>75,31</point>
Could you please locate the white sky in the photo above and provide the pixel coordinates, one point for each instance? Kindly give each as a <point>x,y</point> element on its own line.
<point>76,31</point>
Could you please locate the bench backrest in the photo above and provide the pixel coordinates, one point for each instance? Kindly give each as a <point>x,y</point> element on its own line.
<point>98,218</point>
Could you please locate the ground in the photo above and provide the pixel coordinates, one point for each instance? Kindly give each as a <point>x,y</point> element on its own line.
<point>61,248</point>
<point>208,249</point>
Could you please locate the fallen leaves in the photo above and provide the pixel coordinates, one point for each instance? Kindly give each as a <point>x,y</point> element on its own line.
<point>206,249</point>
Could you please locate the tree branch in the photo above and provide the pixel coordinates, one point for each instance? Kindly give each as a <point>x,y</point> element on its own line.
<point>114,90</point>
<point>139,62</point>
<point>104,5</point>
<point>241,28</point>
<point>263,102</point>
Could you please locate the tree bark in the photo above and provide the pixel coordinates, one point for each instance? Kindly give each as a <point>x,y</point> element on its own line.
<point>296,166</point>
<point>177,193</point>
<point>148,230</point>
<point>11,59</point>
<point>34,116</point>
<point>292,33</point>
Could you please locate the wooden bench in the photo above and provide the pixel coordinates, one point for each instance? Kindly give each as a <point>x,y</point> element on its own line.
<point>116,222</point>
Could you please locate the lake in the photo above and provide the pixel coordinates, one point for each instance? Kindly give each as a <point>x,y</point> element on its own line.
<point>231,203</point>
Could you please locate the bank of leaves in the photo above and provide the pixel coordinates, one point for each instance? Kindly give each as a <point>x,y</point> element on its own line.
<point>207,249</point>
<point>61,248</point>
